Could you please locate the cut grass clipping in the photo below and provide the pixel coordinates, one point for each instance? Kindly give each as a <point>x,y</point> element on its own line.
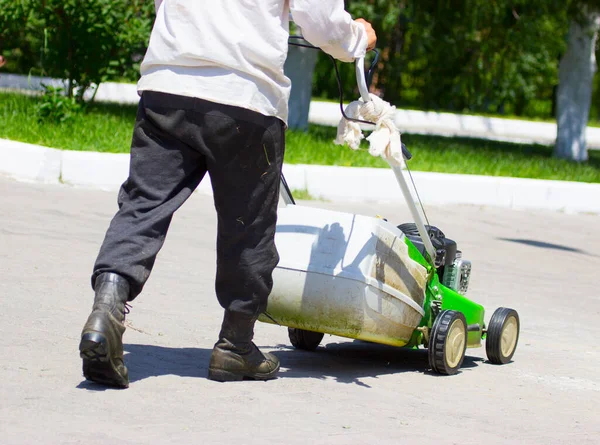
<point>108,128</point>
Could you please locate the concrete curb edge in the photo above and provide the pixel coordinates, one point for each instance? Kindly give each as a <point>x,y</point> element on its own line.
<point>107,171</point>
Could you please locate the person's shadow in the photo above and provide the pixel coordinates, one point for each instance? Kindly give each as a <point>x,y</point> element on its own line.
<point>145,361</point>
<point>345,362</point>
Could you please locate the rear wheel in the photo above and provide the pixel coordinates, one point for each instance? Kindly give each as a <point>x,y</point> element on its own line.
<point>307,340</point>
<point>447,342</point>
<point>502,336</point>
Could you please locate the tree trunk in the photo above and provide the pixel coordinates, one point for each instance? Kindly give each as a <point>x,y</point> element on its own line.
<point>575,76</point>
<point>299,67</point>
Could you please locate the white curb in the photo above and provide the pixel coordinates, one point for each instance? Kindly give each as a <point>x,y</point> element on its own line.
<point>460,125</point>
<point>124,93</point>
<point>107,171</point>
<point>377,184</point>
<point>30,162</point>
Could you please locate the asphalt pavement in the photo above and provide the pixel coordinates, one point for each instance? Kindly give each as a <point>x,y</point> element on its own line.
<point>543,264</point>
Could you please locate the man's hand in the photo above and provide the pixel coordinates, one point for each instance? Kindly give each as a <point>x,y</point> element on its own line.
<point>371,36</point>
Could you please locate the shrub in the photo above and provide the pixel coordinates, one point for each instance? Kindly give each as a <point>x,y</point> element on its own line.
<point>56,107</point>
<point>83,42</point>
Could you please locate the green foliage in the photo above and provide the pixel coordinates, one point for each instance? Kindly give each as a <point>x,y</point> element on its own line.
<point>83,42</point>
<point>577,8</point>
<point>490,56</point>
<point>20,41</point>
<point>55,106</point>
<point>482,56</point>
<point>496,56</point>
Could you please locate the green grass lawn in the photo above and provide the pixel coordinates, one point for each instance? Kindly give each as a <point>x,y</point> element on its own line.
<point>108,127</point>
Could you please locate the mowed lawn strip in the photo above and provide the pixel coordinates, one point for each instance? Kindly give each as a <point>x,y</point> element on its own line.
<point>108,128</point>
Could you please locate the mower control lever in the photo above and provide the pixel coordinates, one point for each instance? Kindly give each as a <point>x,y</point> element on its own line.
<point>407,154</point>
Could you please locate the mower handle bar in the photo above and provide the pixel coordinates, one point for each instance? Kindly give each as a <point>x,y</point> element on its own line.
<point>361,79</point>
<point>363,88</point>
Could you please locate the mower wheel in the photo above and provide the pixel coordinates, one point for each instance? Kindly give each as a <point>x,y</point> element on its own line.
<point>307,340</point>
<point>447,342</point>
<point>502,336</point>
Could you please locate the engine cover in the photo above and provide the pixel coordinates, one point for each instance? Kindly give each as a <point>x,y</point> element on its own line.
<point>457,275</point>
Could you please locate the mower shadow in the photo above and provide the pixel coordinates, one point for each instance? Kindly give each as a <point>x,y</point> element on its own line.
<point>345,362</point>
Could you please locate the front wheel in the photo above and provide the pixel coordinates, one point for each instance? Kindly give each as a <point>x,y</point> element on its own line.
<point>502,336</point>
<point>447,342</point>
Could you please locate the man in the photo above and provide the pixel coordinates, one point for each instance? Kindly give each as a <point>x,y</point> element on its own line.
<point>213,99</point>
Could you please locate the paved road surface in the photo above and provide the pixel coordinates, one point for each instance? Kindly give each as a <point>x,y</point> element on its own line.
<point>543,264</point>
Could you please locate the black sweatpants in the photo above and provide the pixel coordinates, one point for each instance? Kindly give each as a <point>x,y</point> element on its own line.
<point>176,140</point>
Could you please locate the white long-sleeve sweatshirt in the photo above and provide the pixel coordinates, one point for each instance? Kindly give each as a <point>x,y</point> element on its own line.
<point>232,51</point>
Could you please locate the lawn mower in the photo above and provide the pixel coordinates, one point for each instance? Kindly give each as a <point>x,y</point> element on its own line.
<point>365,278</point>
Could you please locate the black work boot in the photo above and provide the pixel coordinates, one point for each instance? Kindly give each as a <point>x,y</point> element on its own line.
<point>101,346</point>
<point>235,357</point>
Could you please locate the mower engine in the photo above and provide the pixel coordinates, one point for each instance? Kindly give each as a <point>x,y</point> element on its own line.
<point>453,270</point>
<point>456,276</point>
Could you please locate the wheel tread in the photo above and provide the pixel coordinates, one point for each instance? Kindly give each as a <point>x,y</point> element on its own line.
<point>437,342</point>
<point>493,339</point>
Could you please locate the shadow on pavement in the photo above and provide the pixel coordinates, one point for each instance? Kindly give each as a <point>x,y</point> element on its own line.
<point>91,386</point>
<point>345,362</point>
<point>544,245</point>
<point>145,361</point>
<point>348,362</point>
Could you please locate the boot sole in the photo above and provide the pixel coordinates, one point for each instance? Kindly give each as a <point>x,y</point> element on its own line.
<point>97,366</point>
<point>221,375</point>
